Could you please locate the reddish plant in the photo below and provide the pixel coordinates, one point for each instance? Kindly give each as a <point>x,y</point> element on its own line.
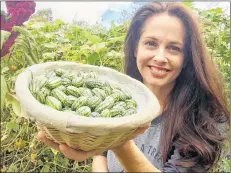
<point>18,12</point>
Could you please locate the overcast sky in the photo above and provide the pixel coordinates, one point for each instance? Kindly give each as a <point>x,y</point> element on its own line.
<point>93,11</point>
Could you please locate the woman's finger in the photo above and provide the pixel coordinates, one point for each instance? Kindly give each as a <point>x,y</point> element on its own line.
<point>47,141</point>
<point>75,154</point>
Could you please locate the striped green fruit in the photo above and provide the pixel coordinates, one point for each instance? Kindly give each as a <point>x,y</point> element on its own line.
<point>37,83</point>
<point>95,115</point>
<point>81,74</point>
<point>106,104</point>
<point>84,111</point>
<point>122,96</point>
<point>66,108</point>
<point>59,72</point>
<point>81,101</point>
<point>108,90</point>
<point>42,94</point>
<point>130,111</point>
<point>94,101</point>
<point>94,83</point>
<point>42,80</point>
<point>70,75</point>
<point>41,98</point>
<point>117,111</point>
<point>131,103</point>
<point>66,81</point>
<point>60,95</point>
<point>87,92</point>
<point>53,102</point>
<point>127,93</point>
<point>71,99</point>
<point>105,113</point>
<point>92,75</point>
<point>45,91</point>
<point>71,90</point>
<point>99,92</point>
<point>34,86</point>
<point>54,83</point>
<point>119,104</point>
<point>63,88</point>
<point>116,96</point>
<point>78,81</point>
<point>112,86</point>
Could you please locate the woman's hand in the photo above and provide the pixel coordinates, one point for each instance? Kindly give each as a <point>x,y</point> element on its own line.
<point>67,151</point>
<point>77,154</point>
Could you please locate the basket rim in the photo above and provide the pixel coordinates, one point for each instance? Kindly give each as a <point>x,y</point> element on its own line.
<point>66,121</point>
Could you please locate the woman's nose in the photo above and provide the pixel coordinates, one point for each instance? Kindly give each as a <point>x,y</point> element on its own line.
<point>159,55</point>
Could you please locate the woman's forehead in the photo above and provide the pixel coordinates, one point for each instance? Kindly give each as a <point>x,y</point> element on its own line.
<point>164,27</point>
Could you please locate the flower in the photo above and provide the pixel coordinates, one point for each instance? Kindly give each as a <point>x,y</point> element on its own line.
<point>18,13</point>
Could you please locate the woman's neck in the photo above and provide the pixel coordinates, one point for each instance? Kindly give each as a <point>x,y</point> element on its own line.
<point>161,93</point>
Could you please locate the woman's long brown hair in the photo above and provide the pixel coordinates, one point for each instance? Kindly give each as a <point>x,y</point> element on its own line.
<point>197,104</point>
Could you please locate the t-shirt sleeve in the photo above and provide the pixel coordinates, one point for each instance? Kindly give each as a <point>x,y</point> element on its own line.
<point>104,153</point>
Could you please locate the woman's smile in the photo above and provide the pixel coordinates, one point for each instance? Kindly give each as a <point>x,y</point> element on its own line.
<point>158,72</point>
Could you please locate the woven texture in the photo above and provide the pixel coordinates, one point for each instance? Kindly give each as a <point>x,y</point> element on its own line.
<point>86,133</point>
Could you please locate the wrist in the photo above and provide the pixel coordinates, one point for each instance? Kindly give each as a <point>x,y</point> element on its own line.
<point>124,147</point>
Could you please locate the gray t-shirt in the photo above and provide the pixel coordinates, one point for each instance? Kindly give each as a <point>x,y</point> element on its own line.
<point>149,144</point>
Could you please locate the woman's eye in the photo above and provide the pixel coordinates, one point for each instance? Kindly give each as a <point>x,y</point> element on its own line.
<point>174,48</point>
<point>150,43</point>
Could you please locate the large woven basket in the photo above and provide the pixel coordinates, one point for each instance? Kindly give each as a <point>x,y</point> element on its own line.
<point>81,132</point>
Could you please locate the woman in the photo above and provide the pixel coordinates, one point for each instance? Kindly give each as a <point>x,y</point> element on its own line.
<point>164,49</point>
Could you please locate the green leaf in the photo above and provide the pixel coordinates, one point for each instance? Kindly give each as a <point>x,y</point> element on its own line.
<point>92,38</point>
<point>92,58</point>
<point>59,22</point>
<point>5,69</point>
<point>23,31</point>
<point>99,47</point>
<point>54,151</point>
<point>12,126</point>
<point>4,90</point>
<point>50,45</point>
<point>49,35</point>
<point>16,106</point>
<point>46,168</point>
<point>4,36</point>
<point>12,168</point>
<point>37,25</point>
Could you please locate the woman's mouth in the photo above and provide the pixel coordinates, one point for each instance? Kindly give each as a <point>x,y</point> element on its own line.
<point>158,72</point>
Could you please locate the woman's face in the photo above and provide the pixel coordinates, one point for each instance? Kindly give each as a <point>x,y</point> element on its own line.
<point>160,50</point>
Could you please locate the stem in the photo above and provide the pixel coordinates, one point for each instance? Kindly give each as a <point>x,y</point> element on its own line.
<point>28,59</point>
<point>30,51</point>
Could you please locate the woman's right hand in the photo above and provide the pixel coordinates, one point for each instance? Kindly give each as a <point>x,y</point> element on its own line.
<point>67,151</point>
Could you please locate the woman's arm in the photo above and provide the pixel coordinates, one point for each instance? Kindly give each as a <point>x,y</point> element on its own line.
<point>132,159</point>
<point>99,164</point>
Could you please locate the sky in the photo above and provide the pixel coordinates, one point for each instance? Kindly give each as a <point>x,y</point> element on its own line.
<point>102,12</point>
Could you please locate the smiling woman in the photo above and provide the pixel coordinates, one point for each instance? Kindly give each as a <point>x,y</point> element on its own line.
<point>165,50</point>
<point>159,52</point>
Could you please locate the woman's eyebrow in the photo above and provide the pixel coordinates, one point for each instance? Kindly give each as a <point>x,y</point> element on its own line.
<point>171,42</point>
